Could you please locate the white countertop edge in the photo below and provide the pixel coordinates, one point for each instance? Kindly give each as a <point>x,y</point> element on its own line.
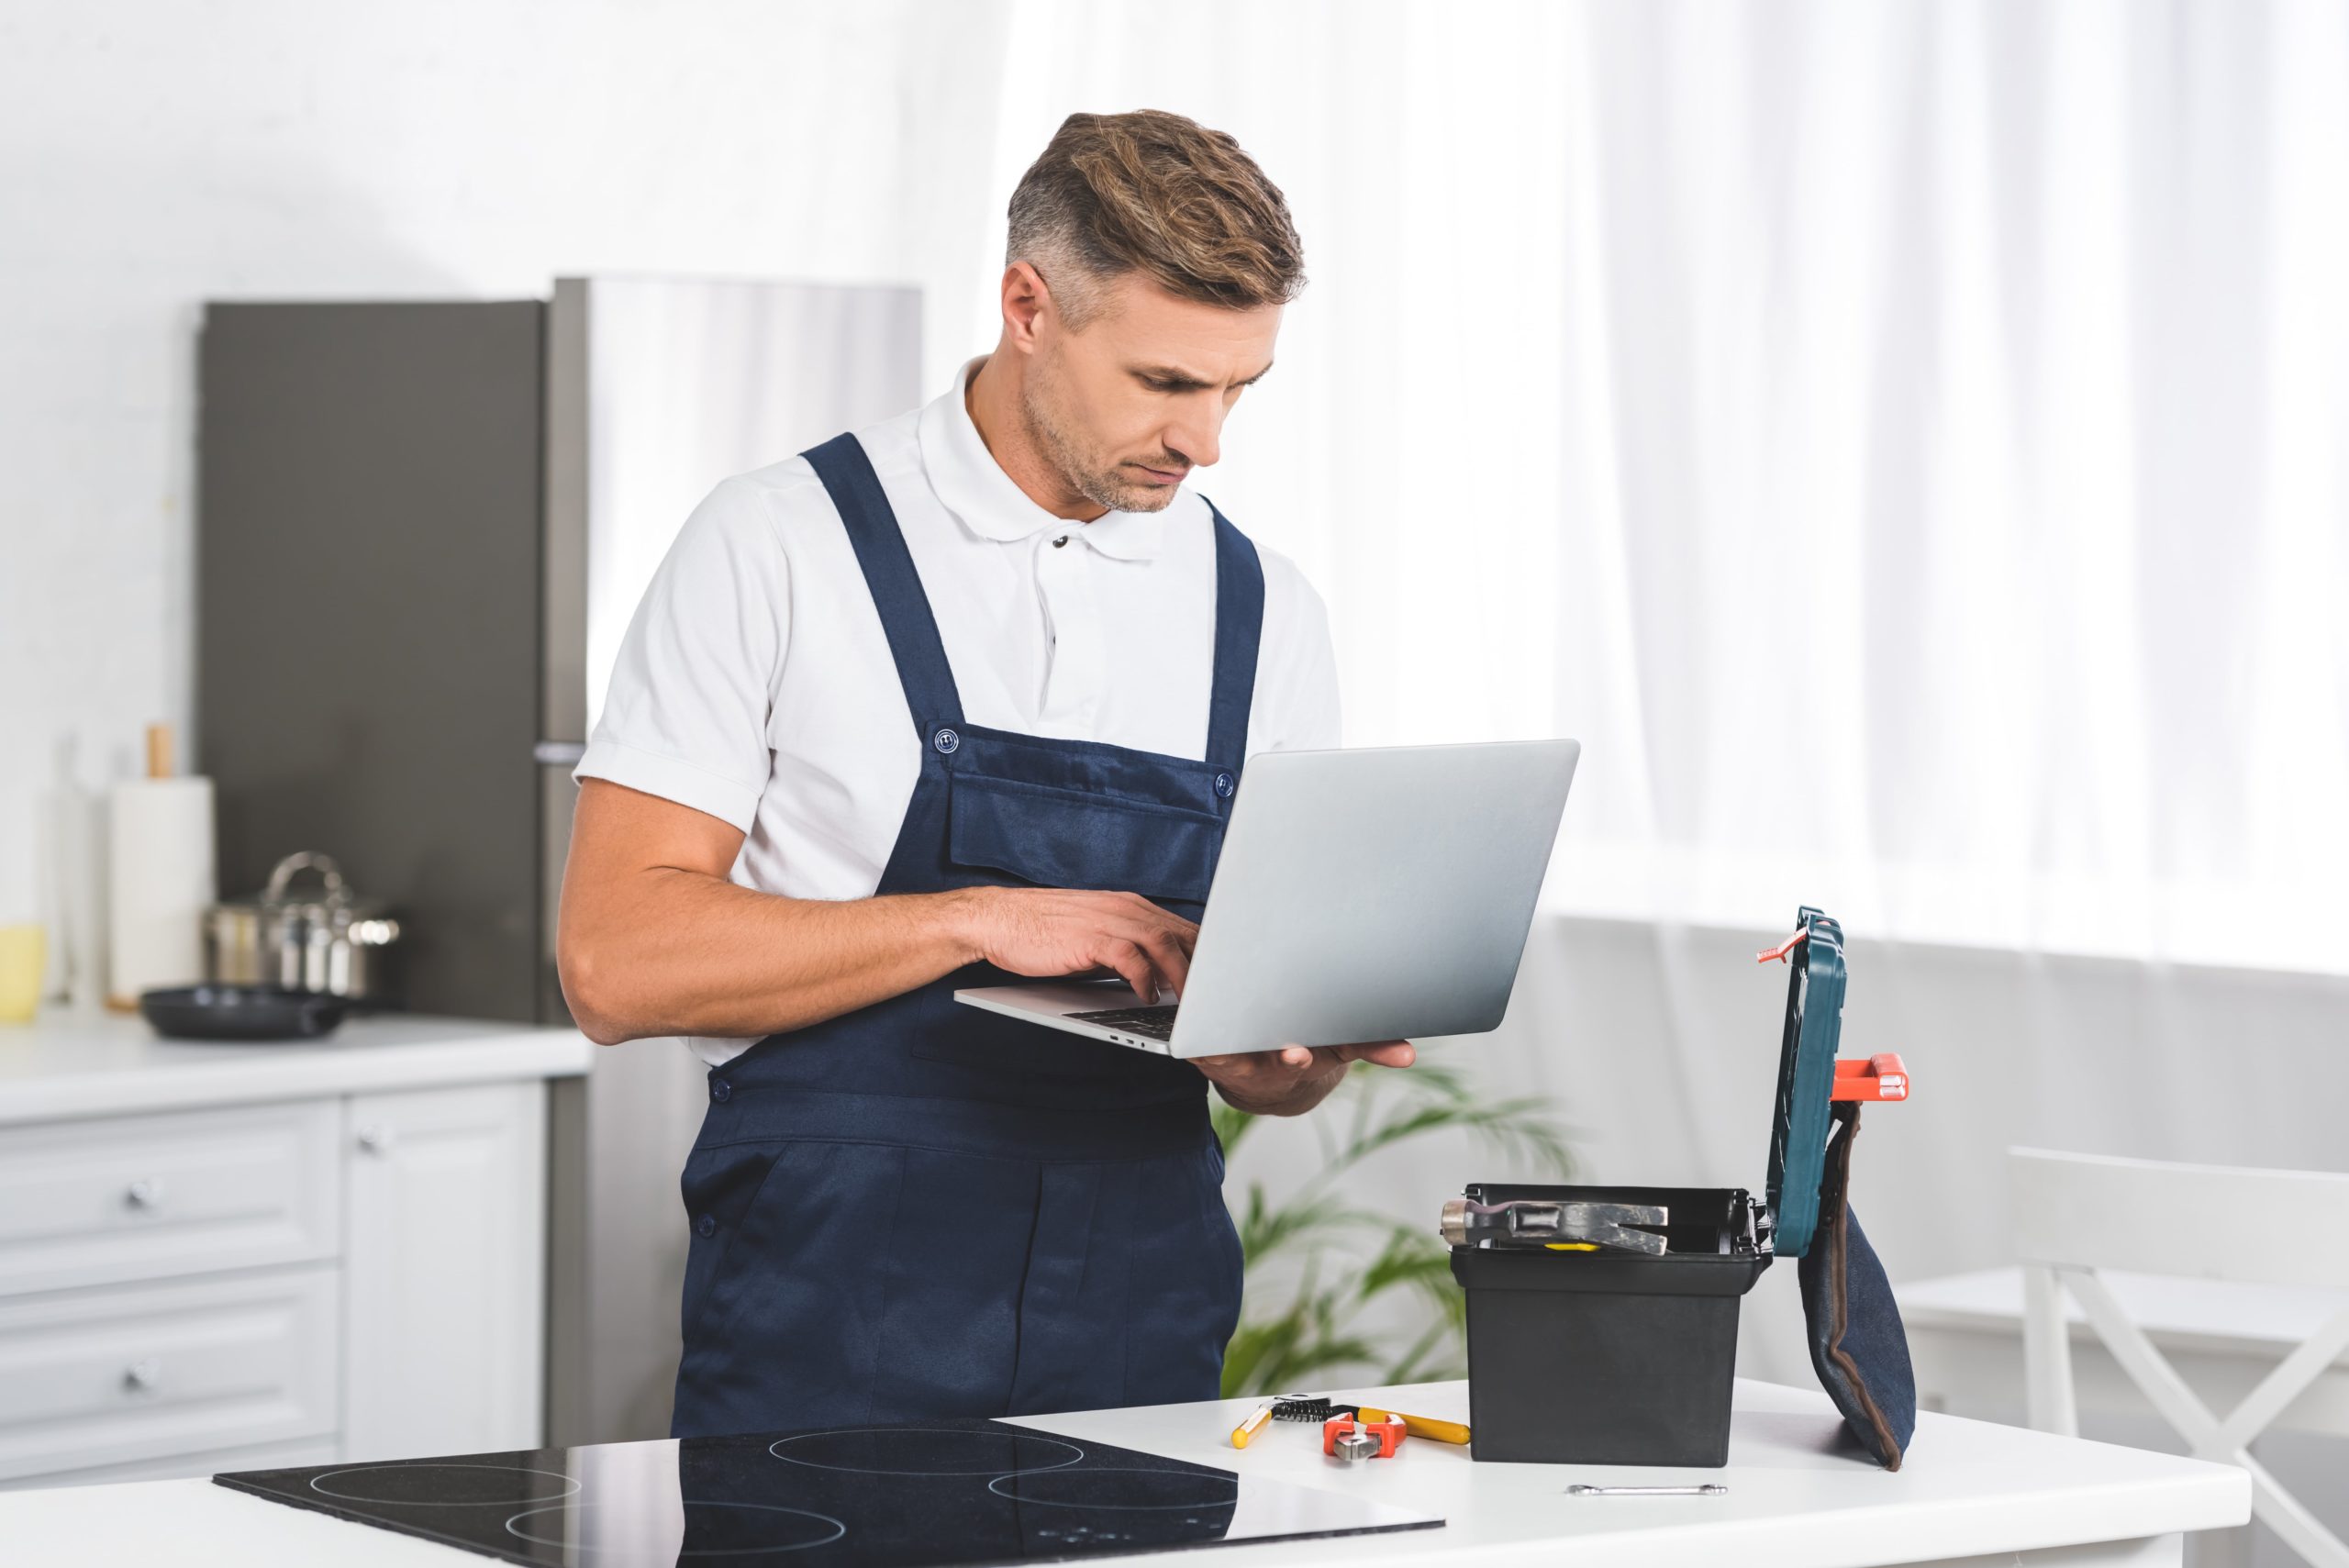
<point>2159,1495</point>
<point>198,1523</point>
<point>499,1052</point>
<point>2167,1495</point>
<point>222,1526</point>
<point>1925,1532</point>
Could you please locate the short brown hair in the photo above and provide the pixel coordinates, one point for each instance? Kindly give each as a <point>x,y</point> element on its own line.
<point>1155,193</point>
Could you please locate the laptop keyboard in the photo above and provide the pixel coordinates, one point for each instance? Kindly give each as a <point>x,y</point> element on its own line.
<point>1151,1023</point>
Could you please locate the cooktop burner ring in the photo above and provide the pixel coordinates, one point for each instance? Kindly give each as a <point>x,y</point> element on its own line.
<point>1214,1478</point>
<point>992,1467</point>
<point>759,1548</point>
<point>411,1471</point>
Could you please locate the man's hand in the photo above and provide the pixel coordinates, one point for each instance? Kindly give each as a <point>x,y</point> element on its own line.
<point>1046,932</point>
<point>1294,1079</point>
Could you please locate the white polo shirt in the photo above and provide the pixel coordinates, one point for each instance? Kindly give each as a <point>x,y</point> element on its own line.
<point>755,682</point>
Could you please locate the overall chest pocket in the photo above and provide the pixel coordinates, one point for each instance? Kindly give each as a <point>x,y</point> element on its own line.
<point>1009,830</point>
<point>1059,838</point>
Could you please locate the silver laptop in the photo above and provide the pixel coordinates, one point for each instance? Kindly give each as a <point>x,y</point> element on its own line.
<point>1360,895</point>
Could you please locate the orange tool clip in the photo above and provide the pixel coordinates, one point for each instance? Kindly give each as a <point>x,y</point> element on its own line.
<point>1784,948</point>
<point>1390,1433</point>
<point>1878,1077</point>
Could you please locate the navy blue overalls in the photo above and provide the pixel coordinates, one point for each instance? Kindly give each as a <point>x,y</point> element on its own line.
<point>922,1210</point>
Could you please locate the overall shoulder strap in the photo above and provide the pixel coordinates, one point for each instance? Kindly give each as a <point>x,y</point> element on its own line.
<point>1238,627</point>
<point>895,586</point>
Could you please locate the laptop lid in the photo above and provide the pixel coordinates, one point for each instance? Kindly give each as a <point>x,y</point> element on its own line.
<point>1374,893</point>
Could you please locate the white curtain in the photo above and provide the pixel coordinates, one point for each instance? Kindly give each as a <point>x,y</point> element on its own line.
<point>1907,443</point>
<point>1904,441</point>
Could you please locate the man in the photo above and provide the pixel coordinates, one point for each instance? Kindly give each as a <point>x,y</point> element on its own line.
<point>965,694</point>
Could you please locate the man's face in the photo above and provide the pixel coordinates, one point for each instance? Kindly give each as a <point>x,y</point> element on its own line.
<point>1131,402</point>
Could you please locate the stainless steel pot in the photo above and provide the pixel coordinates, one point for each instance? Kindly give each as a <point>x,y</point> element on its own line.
<point>329,941</point>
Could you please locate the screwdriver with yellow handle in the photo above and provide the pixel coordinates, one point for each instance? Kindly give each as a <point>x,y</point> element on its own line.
<point>1247,1429</point>
<point>1421,1426</point>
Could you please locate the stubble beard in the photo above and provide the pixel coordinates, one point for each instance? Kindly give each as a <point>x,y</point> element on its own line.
<point>1082,471</point>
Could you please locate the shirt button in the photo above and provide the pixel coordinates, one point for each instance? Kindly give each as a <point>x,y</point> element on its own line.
<point>705,1226</point>
<point>1059,541</point>
<point>720,1090</point>
<point>1225,784</point>
<point>946,740</point>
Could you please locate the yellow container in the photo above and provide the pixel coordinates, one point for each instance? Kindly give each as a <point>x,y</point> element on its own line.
<point>24,953</point>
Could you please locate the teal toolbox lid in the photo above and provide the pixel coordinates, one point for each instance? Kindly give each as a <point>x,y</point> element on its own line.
<point>1788,1217</point>
<point>1806,1079</point>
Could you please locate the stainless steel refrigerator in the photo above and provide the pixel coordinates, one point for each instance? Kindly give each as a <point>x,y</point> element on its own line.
<point>422,528</point>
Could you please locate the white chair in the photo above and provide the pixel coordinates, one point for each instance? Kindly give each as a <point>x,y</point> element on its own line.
<point>2077,1215</point>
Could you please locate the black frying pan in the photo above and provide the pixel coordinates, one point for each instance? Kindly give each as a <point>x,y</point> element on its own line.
<point>240,1012</point>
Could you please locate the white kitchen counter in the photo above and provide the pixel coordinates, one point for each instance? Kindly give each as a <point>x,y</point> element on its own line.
<point>1797,1499</point>
<point>75,1065</point>
<point>222,1256</point>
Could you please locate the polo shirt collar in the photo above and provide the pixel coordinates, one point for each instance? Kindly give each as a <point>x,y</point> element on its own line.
<point>988,502</point>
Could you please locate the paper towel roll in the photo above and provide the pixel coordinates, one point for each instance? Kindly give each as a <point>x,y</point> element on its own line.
<point>160,880</point>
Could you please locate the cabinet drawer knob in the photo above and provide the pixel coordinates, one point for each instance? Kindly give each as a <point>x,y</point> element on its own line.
<point>143,1376</point>
<point>146,1194</point>
<point>376,1138</point>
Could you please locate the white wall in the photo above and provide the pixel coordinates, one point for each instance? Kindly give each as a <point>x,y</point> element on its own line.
<point>155,156</point>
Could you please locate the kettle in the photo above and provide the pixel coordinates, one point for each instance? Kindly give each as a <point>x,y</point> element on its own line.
<point>329,941</point>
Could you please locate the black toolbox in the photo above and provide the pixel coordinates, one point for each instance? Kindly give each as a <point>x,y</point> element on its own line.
<point>1588,1354</point>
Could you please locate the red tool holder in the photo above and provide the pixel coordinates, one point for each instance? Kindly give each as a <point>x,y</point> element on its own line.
<point>1878,1077</point>
<point>1390,1433</point>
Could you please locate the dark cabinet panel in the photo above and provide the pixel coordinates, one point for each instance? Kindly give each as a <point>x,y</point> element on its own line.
<point>368,642</point>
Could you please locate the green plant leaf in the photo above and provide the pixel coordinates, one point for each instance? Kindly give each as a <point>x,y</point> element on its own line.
<point>1514,1127</point>
<point>1408,1257</point>
<point>1266,1229</point>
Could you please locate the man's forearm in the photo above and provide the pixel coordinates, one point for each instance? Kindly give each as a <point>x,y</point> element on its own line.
<point>689,953</point>
<point>655,940</point>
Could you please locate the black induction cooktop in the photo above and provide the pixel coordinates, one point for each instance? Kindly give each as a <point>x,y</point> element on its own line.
<point>911,1496</point>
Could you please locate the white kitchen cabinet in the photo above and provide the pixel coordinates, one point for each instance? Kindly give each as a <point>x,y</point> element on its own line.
<point>220,1257</point>
<point>445,1270</point>
<point>96,1201</point>
<point>93,1377</point>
